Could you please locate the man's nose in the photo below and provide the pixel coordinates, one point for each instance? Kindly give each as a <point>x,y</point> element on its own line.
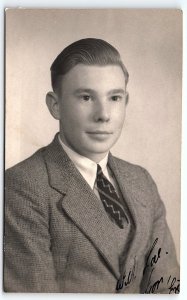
<point>102,111</point>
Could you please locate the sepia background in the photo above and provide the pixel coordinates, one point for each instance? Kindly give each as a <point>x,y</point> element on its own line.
<point>150,43</point>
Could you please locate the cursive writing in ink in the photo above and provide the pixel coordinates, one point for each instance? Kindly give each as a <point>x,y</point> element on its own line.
<point>170,283</point>
<point>152,259</point>
<point>174,286</point>
<point>131,276</point>
<point>127,278</point>
<point>155,286</point>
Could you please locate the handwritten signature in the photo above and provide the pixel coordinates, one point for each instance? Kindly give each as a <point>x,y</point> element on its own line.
<point>174,286</point>
<point>125,280</point>
<point>172,283</point>
<point>152,259</point>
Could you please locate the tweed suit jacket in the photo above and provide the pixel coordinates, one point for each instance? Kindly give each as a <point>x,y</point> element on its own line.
<point>57,237</point>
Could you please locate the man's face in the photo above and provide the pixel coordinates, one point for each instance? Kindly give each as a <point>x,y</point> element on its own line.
<point>92,106</point>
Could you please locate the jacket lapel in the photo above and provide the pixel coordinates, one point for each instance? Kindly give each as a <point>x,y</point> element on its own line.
<point>80,203</point>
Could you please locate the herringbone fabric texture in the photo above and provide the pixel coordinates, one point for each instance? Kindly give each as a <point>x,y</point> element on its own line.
<point>110,198</point>
<point>58,241</point>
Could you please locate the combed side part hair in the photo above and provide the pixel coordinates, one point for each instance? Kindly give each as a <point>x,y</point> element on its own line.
<point>89,51</point>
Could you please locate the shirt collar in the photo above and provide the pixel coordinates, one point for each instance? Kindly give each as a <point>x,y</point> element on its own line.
<point>86,166</point>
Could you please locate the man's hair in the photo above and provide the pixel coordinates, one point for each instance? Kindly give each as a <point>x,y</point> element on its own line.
<point>89,51</point>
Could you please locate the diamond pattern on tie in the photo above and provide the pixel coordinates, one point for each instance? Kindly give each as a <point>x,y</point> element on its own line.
<point>109,198</point>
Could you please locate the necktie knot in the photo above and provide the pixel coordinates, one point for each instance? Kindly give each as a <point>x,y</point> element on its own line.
<point>99,171</point>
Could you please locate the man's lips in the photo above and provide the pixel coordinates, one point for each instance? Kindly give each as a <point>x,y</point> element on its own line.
<point>99,132</point>
<point>99,135</point>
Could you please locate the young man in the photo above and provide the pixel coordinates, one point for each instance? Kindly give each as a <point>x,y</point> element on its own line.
<point>78,219</point>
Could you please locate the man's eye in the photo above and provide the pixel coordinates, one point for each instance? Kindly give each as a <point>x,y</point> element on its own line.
<point>116,98</point>
<point>85,97</point>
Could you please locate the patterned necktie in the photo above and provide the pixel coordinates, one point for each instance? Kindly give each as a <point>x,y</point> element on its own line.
<point>109,198</point>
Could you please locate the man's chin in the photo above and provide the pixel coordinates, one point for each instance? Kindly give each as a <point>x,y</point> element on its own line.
<point>97,151</point>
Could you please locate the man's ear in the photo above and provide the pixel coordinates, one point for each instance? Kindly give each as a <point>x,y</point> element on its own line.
<point>126,98</point>
<point>52,102</point>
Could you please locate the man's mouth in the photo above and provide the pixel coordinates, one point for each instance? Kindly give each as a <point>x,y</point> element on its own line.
<point>99,132</point>
<point>99,135</point>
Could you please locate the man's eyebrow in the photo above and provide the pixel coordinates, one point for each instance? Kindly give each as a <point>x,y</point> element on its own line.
<point>84,90</point>
<point>91,91</point>
<point>116,91</point>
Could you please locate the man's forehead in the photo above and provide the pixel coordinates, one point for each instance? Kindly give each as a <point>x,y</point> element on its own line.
<point>87,76</point>
<point>95,68</point>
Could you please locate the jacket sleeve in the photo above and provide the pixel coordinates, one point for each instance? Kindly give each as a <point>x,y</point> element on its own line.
<point>161,273</point>
<point>28,261</point>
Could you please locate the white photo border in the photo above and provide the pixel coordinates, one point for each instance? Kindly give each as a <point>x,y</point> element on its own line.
<point>180,4</point>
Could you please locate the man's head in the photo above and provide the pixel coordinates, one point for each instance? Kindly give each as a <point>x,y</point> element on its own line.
<point>89,96</point>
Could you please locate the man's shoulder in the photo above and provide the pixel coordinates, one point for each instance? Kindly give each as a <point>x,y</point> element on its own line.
<point>133,174</point>
<point>35,169</point>
<point>30,167</point>
<point>137,179</point>
<point>129,167</point>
